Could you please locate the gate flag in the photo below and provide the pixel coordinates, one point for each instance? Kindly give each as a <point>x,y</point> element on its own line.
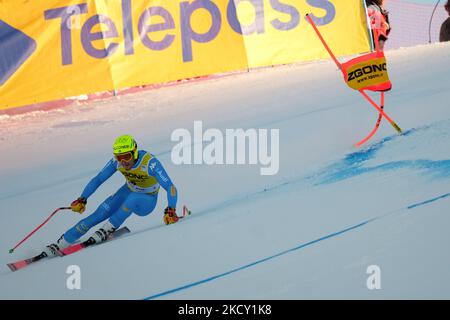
<point>366,72</point>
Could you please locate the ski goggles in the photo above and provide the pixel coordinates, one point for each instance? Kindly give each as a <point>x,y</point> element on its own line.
<point>124,157</point>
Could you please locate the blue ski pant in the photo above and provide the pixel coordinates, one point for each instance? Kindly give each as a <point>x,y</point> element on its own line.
<point>117,208</point>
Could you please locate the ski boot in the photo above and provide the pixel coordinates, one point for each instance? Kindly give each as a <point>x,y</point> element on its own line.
<point>101,234</point>
<point>52,249</point>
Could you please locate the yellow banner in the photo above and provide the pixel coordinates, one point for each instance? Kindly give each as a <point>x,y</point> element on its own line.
<point>277,32</point>
<point>61,48</point>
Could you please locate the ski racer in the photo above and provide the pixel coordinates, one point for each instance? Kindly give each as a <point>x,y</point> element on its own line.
<point>144,175</point>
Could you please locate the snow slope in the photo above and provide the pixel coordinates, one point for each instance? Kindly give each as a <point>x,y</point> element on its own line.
<point>311,231</point>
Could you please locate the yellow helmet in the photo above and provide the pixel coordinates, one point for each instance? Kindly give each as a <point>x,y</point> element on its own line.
<point>125,144</point>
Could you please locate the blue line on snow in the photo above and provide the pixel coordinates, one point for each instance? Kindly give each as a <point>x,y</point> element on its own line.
<point>428,201</point>
<point>193,284</point>
<point>256,262</point>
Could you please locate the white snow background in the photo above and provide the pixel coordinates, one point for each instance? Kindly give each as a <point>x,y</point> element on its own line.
<point>310,231</point>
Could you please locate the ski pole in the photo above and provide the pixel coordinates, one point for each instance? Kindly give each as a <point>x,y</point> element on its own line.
<point>186,212</point>
<point>396,127</point>
<point>377,125</point>
<point>46,220</point>
<point>338,64</point>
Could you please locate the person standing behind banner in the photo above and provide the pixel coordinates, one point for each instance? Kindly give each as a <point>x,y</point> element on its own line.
<point>379,20</point>
<point>444,35</point>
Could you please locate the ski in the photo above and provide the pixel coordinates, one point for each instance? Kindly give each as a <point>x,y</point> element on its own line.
<point>24,263</point>
<point>14,266</point>
<point>118,233</point>
<point>80,246</point>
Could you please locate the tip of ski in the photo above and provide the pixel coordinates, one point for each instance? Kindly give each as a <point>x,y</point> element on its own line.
<point>14,266</point>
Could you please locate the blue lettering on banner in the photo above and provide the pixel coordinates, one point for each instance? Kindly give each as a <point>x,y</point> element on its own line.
<point>188,34</point>
<point>15,48</point>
